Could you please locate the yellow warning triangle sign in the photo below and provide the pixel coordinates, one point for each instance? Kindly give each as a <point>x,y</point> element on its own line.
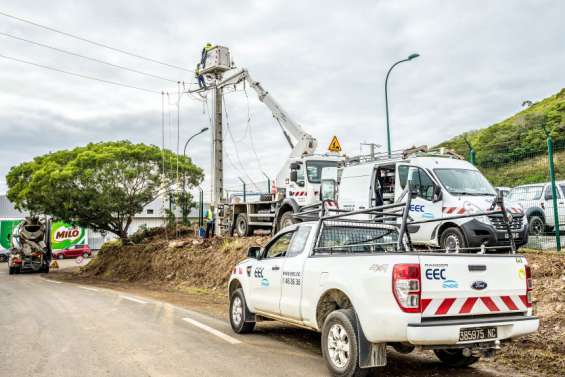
<point>335,146</point>
<point>54,264</point>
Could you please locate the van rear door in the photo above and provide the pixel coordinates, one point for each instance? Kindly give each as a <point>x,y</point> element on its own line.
<point>456,285</point>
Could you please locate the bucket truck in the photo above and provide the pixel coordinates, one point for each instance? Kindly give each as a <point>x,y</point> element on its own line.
<point>297,183</point>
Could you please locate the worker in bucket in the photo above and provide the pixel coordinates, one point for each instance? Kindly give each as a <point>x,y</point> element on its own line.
<point>209,223</point>
<point>199,76</point>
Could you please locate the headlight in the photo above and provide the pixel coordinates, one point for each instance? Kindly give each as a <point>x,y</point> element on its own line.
<point>472,209</point>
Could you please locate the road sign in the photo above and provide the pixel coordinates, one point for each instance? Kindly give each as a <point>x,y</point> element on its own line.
<point>335,146</point>
<point>54,264</point>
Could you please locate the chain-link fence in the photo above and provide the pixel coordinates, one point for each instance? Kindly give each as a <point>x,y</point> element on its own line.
<point>524,177</point>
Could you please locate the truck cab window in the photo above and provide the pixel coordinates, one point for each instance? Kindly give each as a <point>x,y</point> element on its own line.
<point>298,241</point>
<point>279,247</point>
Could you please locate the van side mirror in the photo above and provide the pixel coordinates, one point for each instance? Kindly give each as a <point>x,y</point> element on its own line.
<point>437,193</point>
<point>294,166</point>
<point>254,252</point>
<point>413,188</point>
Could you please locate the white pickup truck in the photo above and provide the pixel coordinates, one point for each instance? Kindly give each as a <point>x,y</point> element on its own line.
<point>362,286</point>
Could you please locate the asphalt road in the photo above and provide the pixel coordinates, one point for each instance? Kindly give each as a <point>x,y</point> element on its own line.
<point>49,328</point>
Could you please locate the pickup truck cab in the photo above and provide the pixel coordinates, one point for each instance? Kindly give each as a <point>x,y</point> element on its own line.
<point>353,282</point>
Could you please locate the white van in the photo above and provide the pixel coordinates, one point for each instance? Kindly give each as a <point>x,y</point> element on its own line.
<point>447,186</point>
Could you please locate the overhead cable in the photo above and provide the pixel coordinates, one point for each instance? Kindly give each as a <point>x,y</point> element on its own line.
<point>99,44</point>
<point>79,74</point>
<point>88,57</point>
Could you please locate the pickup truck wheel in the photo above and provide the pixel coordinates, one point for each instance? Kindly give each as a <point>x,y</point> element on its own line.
<point>237,313</point>
<point>451,238</point>
<point>535,226</point>
<point>340,346</point>
<point>242,225</point>
<point>455,358</point>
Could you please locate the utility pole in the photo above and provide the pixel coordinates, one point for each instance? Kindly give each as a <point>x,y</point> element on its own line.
<point>217,150</point>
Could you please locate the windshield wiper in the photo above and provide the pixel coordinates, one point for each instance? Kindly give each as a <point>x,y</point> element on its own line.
<point>472,193</point>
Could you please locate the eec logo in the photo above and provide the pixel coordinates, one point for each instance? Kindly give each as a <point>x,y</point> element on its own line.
<point>435,274</point>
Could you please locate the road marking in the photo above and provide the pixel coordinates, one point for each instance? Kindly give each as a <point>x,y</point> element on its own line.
<point>88,288</point>
<point>213,331</point>
<point>133,299</point>
<point>52,281</point>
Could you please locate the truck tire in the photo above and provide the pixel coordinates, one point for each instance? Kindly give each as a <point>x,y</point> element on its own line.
<point>242,227</point>
<point>536,226</point>
<point>286,219</point>
<point>451,238</point>
<point>455,358</point>
<point>340,346</point>
<point>238,307</point>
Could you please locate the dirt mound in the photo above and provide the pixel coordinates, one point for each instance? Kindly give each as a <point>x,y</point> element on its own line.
<point>185,262</point>
<point>544,350</point>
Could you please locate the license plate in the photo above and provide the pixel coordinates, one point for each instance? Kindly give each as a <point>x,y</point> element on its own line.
<point>514,235</point>
<point>477,333</point>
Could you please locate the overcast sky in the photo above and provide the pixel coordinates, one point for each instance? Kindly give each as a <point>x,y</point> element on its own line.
<point>324,61</point>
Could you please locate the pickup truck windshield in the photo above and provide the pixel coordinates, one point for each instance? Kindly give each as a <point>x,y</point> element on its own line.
<point>358,239</point>
<point>525,193</point>
<point>464,182</point>
<point>314,169</point>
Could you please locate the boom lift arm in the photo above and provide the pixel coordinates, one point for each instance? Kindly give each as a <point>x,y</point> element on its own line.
<point>305,143</point>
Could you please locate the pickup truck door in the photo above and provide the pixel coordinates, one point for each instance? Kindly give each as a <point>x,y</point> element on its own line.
<point>422,207</point>
<point>266,276</point>
<point>292,271</point>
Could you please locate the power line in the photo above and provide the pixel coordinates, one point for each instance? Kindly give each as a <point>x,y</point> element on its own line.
<point>88,57</point>
<point>99,44</point>
<point>79,74</point>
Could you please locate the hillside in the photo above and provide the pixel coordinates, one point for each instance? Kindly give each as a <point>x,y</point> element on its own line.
<point>513,151</point>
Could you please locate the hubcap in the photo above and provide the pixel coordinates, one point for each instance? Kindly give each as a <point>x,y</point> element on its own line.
<point>451,242</point>
<point>237,311</point>
<point>537,227</point>
<point>338,346</point>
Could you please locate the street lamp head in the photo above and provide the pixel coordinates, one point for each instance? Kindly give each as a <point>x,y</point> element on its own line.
<point>413,56</point>
<point>204,129</point>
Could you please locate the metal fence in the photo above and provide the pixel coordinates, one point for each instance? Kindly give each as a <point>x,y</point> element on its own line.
<point>525,176</point>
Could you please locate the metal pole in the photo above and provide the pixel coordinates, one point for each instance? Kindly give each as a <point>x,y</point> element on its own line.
<point>201,208</point>
<point>472,156</point>
<point>553,191</point>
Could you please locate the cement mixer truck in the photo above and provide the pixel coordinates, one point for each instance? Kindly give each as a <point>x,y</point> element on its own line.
<point>30,246</point>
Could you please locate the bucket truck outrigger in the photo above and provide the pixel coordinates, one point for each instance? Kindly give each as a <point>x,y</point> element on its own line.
<point>297,183</point>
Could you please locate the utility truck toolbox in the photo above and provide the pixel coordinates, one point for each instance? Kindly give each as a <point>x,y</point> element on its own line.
<point>355,277</point>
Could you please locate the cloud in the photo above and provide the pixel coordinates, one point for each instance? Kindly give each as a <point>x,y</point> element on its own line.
<point>324,61</point>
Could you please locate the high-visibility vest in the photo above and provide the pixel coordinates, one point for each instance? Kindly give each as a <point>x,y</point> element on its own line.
<point>208,47</point>
<point>210,215</point>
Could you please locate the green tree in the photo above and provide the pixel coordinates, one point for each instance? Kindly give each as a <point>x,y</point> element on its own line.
<point>100,186</point>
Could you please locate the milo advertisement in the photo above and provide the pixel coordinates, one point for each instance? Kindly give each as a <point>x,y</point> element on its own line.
<point>6,229</point>
<point>64,235</point>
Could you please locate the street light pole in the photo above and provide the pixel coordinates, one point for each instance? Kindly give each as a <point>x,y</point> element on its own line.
<point>410,57</point>
<point>200,210</point>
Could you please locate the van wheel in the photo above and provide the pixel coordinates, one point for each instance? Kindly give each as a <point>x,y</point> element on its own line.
<point>287,219</point>
<point>242,225</point>
<point>535,226</point>
<point>452,238</point>
<point>455,358</point>
<point>238,307</point>
<point>340,346</point>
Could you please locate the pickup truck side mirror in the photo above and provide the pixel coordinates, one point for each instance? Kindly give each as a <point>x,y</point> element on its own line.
<point>254,252</point>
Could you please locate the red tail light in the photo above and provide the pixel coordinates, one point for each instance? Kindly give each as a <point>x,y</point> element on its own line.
<point>406,287</point>
<point>529,286</point>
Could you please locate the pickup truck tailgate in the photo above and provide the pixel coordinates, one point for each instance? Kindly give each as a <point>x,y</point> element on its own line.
<point>472,285</point>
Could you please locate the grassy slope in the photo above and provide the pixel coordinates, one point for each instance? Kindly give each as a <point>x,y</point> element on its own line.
<point>512,152</point>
